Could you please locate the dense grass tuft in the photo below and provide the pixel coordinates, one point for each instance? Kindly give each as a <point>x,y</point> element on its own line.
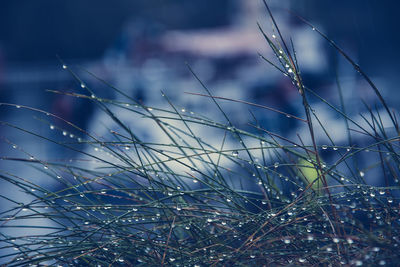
<point>255,198</point>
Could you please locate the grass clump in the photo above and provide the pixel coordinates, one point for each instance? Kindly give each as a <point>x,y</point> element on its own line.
<point>255,198</point>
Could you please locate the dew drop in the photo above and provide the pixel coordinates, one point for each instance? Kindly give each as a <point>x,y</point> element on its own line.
<point>274,36</point>
<point>324,147</point>
<point>183,110</point>
<point>52,127</point>
<point>64,133</point>
<point>235,153</point>
<point>362,174</point>
<point>83,85</point>
<point>286,241</point>
<point>375,249</point>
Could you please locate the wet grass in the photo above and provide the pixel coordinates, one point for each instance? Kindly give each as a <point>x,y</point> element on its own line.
<point>256,198</point>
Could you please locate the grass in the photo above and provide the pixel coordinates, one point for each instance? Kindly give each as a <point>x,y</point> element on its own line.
<point>256,198</point>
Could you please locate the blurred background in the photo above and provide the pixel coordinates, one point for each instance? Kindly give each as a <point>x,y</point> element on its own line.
<point>142,47</point>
